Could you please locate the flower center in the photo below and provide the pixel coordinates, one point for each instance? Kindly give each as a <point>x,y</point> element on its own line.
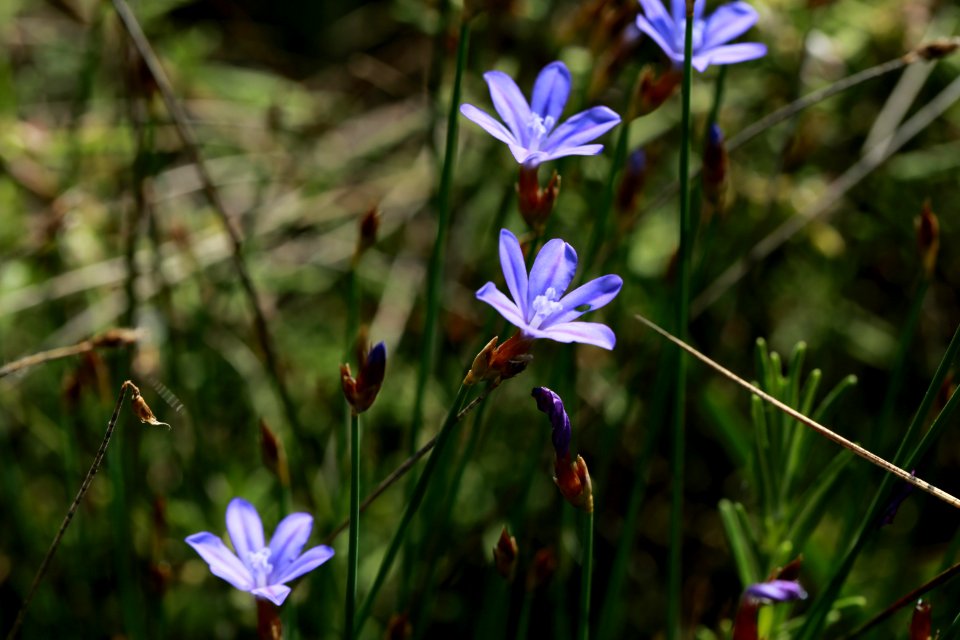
<point>545,305</point>
<point>539,128</point>
<point>682,32</point>
<point>259,564</point>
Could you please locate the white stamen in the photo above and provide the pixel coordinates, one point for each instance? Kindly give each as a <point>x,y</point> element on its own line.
<point>259,564</point>
<point>539,128</point>
<point>545,305</point>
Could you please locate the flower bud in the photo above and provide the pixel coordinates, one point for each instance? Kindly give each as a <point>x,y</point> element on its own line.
<point>542,568</point>
<point>536,204</point>
<point>653,90</point>
<point>369,224</point>
<point>505,555</point>
<point>361,391</point>
<point>928,238</point>
<point>920,626</point>
<point>573,480</point>
<point>272,453</point>
<point>498,363</point>
<point>551,404</point>
<point>631,184</point>
<point>399,627</point>
<point>714,173</point>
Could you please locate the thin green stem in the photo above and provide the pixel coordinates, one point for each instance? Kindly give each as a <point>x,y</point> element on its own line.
<point>416,499</point>
<point>586,579</point>
<point>353,557</point>
<point>603,214</point>
<point>817,616</point>
<point>437,258</point>
<point>682,314</point>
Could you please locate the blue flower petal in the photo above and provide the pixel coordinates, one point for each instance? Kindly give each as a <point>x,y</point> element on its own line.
<point>309,561</point>
<point>485,120</point>
<point>776,591</point>
<point>554,269</point>
<point>582,150</point>
<point>510,104</point>
<point>656,31</point>
<point>287,541</point>
<point>244,527</point>
<point>581,128</point>
<point>514,269</point>
<point>223,563</point>
<point>275,593</point>
<point>595,294</point>
<point>504,306</point>
<point>551,90</point>
<point>728,22</point>
<point>734,53</point>
<point>593,333</point>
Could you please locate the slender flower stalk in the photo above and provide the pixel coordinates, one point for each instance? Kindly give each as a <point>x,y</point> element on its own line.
<point>586,579</point>
<point>416,499</point>
<point>681,319</point>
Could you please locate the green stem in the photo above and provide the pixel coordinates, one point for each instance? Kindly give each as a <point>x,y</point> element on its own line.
<point>437,259</point>
<point>353,557</point>
<point>683,312</point>
<point>416,498</point>
<point>586,579</point>
<point>603,214</point>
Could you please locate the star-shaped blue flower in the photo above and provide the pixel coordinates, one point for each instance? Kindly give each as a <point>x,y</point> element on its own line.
<point>531,130</point>
<point>539,307</point>
<point>710,36</point>
<point>261,569</point>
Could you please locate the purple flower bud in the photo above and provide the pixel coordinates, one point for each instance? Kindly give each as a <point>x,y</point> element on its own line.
<point>715,135</point>
<point>551,404</point>
<point>776,591</point>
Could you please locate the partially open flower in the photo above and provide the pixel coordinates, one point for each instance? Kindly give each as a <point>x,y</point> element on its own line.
<point>361,391</point>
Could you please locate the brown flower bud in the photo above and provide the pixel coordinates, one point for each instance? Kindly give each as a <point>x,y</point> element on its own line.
<point>369,225</point>
<point>653,90</point>
<point>361,391</point>
<point>536,204</point>
<point>273,455</point>
<point>505,555</point>
<point>499,363</point>
<point>920,626</point>
<point>928,238</point>
<point>399,627</point>
<point>573,480</point>
<point>542,568</point>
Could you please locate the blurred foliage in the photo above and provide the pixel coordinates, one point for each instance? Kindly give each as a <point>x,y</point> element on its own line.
<point>309,113</point>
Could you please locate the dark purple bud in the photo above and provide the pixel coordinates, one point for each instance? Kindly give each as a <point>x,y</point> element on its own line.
<point>715,135</point>
<point>776,591</point>
<point>900,494</point>
<point>551,404</point>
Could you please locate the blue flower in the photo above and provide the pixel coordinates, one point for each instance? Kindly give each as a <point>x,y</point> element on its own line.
<point>531,130</point>
<point>550,403</point>
<point>776,591</point>
<point>261,569</point>
<point>539,308</point>
<point>710,36</point>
